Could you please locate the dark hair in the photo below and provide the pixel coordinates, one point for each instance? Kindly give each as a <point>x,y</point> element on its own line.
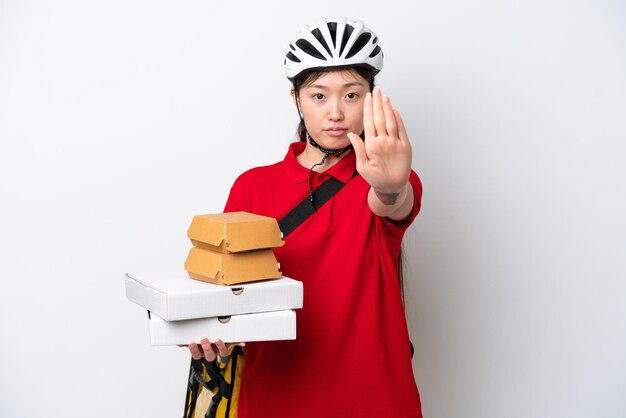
<point>310,76</point>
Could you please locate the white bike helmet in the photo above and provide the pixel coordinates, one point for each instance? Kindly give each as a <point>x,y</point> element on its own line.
<point>333,42</point>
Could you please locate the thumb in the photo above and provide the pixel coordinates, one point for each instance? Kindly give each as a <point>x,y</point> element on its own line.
<point>359,150</point>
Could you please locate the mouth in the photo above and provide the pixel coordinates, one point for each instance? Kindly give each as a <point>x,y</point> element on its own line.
<point>336,131</point>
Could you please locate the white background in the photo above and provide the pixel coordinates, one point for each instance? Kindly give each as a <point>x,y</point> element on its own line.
<point>120,120</point>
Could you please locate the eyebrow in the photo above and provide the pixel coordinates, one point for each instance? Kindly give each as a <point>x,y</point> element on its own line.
<point>320,86</point>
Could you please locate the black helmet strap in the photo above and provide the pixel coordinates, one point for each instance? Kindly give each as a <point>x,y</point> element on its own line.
<point>327,151</point>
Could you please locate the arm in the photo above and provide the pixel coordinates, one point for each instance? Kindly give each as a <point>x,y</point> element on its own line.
<point>393,205</point>
<point>384,158</point>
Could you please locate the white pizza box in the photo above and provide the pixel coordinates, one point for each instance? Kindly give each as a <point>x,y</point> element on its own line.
<point>264,326</point>
<point>174,296</point>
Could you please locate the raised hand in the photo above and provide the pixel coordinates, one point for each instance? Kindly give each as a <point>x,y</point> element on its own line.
<point>384,159</point>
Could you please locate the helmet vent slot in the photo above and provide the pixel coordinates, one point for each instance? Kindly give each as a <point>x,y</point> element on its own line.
<point>361,41</point>
<point>332,28</point>
<point>292,57</point>
<point>318,35</point>
<point>375,51</point>
<point>309,49</point>
<point>346,35</point>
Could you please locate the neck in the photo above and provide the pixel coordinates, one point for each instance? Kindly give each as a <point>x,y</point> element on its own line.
<point>312,155</point>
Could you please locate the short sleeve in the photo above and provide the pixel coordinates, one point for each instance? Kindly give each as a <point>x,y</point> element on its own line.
<point>401,226</point>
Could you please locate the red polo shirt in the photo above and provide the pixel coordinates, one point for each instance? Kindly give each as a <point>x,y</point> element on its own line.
<point>351,357</point>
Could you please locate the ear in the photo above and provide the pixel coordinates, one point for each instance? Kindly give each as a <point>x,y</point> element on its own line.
<point>292,91</point>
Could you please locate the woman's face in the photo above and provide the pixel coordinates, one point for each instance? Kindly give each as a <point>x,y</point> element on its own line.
<point>332,106</point>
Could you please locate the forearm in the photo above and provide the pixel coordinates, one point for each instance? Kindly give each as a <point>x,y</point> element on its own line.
<point>393,204</point>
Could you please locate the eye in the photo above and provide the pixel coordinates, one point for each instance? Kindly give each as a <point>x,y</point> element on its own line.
<point>318,96</point>
<point>352,96</point>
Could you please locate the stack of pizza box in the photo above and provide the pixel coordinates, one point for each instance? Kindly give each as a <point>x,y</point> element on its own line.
<point>237,293</point>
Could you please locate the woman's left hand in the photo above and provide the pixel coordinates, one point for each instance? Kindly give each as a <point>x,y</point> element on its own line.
<point>384,159</point>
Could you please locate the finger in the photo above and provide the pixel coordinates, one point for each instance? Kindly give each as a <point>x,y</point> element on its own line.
<point>209,353</point>
<point>379,113</point>
<point>368,117</point>
<point>196,353</point>
<point>390,118</point>
<point>359,150</point>
<point>221,348</point>
<point>228,345</point>
<point>404,137</point>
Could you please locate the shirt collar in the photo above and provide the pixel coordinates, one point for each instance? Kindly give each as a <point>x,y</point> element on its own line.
<point>342,171</point>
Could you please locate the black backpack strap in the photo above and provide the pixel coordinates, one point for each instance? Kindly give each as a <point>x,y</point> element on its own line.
<point>306,208</point>
<point>193,387</point>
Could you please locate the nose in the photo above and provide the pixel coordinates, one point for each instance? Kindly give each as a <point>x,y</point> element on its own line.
<point>335,113</point>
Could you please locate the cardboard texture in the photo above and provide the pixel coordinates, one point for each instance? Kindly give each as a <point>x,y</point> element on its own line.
<point>234,232</point>
<point>265,326</point>
<point>173,296</point>
<point>227,269</point>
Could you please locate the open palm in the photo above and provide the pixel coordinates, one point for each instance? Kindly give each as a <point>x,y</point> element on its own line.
<point>384,158</point>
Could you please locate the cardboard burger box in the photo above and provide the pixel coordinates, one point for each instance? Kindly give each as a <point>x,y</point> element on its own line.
<point>174,297</point>
<point>264,326</point>
<point>232,248</point>
<point>228,269</point>
<point>234,232</point>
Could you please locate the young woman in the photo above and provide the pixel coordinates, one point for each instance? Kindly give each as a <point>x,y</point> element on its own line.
<point>352,355</point>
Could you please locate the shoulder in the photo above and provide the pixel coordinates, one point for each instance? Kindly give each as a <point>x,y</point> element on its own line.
<point>258,175</point>
<point>253,182</point>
